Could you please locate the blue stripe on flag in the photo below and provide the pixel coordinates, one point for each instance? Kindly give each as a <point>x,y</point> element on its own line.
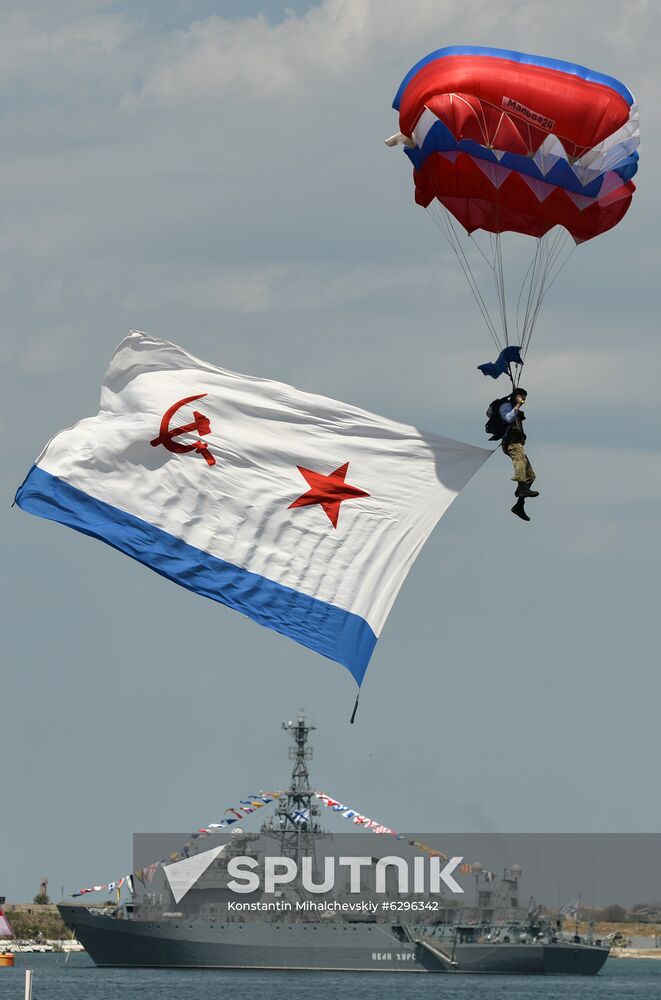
<point>340,635</point>
<point>574,69</point>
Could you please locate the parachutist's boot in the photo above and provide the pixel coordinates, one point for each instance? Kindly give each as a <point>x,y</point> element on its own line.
<point>519,509</point>
<point>523,490</point>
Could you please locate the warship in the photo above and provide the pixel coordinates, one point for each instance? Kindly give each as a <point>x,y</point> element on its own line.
<point>496,935</point>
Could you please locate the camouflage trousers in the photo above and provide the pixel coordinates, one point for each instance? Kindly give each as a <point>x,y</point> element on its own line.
<point>523,470</point>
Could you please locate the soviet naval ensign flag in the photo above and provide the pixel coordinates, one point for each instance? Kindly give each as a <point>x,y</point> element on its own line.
<point>301,512</point>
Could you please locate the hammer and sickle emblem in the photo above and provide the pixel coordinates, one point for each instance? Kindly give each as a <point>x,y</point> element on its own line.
<point>200,425</point>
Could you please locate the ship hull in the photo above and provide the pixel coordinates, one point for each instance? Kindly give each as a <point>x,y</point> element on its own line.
<point>322,946</point>
<point>559,959</point>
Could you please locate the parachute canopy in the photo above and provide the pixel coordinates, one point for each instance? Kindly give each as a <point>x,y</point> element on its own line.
<point>505,142</point>
<point>520,143</point>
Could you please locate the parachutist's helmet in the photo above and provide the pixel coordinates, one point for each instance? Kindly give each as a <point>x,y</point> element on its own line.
<point>519,392</point>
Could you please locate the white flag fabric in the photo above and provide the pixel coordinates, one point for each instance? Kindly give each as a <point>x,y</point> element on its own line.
<point>301,512</point>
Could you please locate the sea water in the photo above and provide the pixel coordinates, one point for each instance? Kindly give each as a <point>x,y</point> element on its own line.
<point>58,977</point>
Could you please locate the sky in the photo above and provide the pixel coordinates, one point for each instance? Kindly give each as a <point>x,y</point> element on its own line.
<point>215,174</point>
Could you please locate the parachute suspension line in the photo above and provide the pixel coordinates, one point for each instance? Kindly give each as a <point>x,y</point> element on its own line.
<point>542,273</point>
<point>538,277</point>
<point>479,249</point>
<point>550,275</point>
<point>499,276</point>
<point>444,222</point>
<point>560,268</point>
<point>547,262</point>
<point>445,219</point>
<point>524,283</point>
<point>495,264</point>
<point>564,239</point>
<point>532,283</point>
<point>533,286</point>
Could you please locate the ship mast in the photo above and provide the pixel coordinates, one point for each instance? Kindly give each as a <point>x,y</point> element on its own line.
<point>295,819</point>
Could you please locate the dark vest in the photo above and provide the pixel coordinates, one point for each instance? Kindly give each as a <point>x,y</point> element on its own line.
<point>515,433</point>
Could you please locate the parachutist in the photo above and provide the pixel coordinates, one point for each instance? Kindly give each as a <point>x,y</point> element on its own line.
<point>510,418</point>
<point>505,424</point>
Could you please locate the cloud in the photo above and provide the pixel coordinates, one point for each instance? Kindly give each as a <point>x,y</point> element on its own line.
<point>36,44</point>
<point>606,498</point>
<point>277,288</point>
<point>256,57</point>
<point>293,56</point>
<point>592,375</point>
<point>605,475</point>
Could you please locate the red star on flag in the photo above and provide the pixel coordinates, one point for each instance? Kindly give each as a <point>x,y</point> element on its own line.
<point>329,491</point>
